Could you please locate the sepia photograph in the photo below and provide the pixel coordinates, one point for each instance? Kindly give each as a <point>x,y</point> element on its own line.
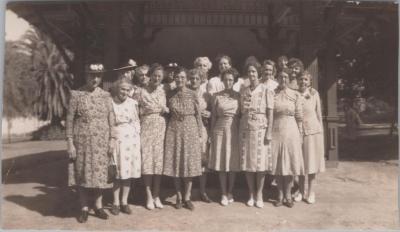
<point>200,115</point>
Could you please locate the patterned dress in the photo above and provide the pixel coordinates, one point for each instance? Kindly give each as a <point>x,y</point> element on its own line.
<point>127,131</point>
<point>89,120</point>
<point>255,155</point>
<point>153,126</point>
<point>313,140</point>
<point>224,152</point>
<point>182,140</point>
<point>287,157</point>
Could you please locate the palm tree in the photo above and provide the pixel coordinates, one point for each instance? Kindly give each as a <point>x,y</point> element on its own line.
<point>51,73</point>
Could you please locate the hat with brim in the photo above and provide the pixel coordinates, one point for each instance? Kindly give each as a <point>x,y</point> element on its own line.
<point>129,66</point>
<point>95,68</point>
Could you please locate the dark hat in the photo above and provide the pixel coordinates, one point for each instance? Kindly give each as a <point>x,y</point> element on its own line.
<point>95,68</point>
<point>131,64</point>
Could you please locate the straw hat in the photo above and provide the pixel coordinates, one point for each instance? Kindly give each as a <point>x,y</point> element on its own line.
<point>131,64</point>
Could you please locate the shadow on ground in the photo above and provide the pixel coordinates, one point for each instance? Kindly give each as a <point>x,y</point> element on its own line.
<point>369,148</point>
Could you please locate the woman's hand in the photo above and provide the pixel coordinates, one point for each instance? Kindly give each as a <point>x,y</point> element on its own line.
<point>206,114</point>
<point>71,150</point>
<point>165,110</point>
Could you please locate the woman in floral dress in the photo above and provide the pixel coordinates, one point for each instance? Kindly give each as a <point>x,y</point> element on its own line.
<point>224,153</point>
<point>195,76</point>
<point>287,158</point>
<point>152,104</point>
<point>182,140</point>
<point>313,139</point>
<point>127,153</point>
<point>89,121</point>
<point>256,104</point>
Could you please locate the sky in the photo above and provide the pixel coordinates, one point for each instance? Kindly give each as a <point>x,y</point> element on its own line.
<point>15,26</point>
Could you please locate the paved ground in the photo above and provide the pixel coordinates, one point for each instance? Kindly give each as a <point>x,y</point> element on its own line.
<point>359,194</point>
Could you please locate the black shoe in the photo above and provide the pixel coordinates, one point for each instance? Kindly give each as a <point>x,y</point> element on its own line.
<point>100,213</point>
<point>278,203</point>
<point>114,209</point>
<point>189,205</point>
<point>126,209</point>
<point>289,203</point>
<point>82,218</point>
<point>205,198</point>
<point>178,204</point>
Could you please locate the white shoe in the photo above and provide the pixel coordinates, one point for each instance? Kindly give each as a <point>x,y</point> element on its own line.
<point>298,197</point>
<point>158,204</point>
<point>250,202</point>
<point>260,204</point>
<point>230,198</point>
<point>224,201</point>
<point>150,205</point>
<point>311,198</point>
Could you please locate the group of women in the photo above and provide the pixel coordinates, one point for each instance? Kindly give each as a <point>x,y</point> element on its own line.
<point>180,123</point>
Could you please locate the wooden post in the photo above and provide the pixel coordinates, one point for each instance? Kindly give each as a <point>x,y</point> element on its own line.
<point>310,40</point>
<point>330,87</point>
<point>111,42</point>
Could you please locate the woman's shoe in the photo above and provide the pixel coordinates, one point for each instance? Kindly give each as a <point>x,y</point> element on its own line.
<point>150,205</point>
<point>224,200</point>
<point>114,209</point>
<point>126,209</point>
<point>260,204</point>
<point>289,203</point>
<point>230,198</point>
<point>83,217</point>
<point>205,198</point>
<point>189,205</point>
<point>311,198</point>
<point>100,213</point>
<point>158,204</point>
<point>250,202</point>
<point>278,203</point>
<point>178,204</point>
<point>298,197</point>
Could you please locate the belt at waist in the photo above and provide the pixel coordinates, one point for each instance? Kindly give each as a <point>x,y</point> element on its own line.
<point>152,113</point>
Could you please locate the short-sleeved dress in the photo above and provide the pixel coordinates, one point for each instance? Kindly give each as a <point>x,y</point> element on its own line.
<point>241,83</point>
<point>224,152</point>
<point>182,140</point>
<point>153,125</point>
<point>89,120</point>
<point>287,157</point>
<point>255,155</point>
<point>313,140</point>
<point>127,132</point>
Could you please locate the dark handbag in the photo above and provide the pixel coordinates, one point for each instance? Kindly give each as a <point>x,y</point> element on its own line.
<point>112,171</point>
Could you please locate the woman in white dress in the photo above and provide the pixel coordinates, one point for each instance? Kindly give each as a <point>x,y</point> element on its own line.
<point>313,139</point>
<point>256,106</point>
<point>127,153</point>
